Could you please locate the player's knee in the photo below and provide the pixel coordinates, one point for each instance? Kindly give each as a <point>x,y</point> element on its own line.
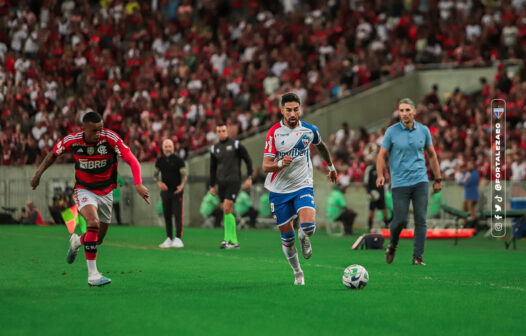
<point>92,222</point>
<point>308,228</point>
<point>287,238</point>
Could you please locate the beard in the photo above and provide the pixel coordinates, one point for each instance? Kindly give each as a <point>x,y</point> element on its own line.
<point>292,123</point>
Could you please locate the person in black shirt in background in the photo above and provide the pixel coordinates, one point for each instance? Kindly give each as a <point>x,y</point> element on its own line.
<point>225,170</point>
<point>376,194</point>
<point>173,179</point>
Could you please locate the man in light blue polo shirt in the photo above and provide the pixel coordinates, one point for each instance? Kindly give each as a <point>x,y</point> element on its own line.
<point>404,144</point>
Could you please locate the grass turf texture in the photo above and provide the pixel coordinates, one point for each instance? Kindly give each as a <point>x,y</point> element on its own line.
<point>476,288</point>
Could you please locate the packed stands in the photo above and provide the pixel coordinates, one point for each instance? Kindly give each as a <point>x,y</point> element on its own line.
<point>173,68</point>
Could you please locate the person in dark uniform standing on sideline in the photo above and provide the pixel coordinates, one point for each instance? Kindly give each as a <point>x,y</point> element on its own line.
<point>376,194</point>
<point>173,179</point>
<point>225,170</point>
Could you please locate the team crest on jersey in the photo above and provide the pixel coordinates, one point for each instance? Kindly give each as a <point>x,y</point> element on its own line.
<point>102,150</point>
<point>90,150</point>
<point>303,142</point>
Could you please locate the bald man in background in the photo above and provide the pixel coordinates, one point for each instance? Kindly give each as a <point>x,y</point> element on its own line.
<point>172,181</point>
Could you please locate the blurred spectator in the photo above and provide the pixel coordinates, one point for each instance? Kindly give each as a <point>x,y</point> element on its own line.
<point>243,207</point>
<point>264,210</point>
<point>470,180</point>
<point>337,209</point>
<point>375,194</point>
<point>211,211</point>
<point>32,216</point>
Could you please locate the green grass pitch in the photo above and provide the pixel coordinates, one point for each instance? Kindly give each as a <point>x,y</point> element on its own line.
<point>476,288</point>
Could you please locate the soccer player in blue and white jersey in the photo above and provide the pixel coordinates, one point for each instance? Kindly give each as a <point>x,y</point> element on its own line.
<point>289,180</point>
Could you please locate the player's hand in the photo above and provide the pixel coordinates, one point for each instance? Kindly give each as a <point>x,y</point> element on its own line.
<point>380,180</point>
<point>35,181</point>
<point>248,183</point>
<point>162,185</point>
<point>143,192</point>
<point>437,186</point>
<point>213,191</point>
<point>333,176</point>
<point>179,189</point>
<point>287,160</point>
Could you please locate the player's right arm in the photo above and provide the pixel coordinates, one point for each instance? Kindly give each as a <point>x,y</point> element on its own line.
<point>269,155</point>
<point>269,165</point>
<point>48,161</point>
<point>60,147</point>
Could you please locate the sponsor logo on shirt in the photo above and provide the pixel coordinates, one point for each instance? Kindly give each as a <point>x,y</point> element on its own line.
<point>85,164</point>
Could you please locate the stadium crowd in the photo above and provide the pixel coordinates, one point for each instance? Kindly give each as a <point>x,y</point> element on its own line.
<point>460,129</point>
<point>172,68</point>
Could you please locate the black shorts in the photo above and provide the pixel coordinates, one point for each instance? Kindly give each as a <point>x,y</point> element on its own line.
<point>378,204</point>
<point>228,190</point>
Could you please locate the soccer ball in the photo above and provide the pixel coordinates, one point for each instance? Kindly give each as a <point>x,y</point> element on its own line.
<point>355,277</point>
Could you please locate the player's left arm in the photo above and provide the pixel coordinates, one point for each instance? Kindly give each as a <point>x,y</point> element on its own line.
<point>324,152</point>
<point>132,161</point>
<point>435,167</point>
<point>243,153</point>
<point>184,176</point>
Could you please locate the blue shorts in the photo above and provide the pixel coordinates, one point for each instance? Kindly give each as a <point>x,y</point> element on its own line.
<point>286,206</point>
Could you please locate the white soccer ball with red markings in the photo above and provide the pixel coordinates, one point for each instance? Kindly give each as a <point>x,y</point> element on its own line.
<point>355,277</point>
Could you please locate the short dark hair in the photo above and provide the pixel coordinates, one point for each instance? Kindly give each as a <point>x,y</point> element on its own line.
<point>221,124</point>
<point>290,97</point>
<point>92,116</point>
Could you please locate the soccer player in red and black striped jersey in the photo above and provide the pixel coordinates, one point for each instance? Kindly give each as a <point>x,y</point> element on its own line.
<point>95,150</point>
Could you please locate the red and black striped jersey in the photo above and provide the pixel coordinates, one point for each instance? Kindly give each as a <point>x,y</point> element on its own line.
<point>95,164</point>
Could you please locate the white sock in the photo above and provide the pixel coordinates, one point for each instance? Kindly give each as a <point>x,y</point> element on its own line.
<point>301,234</point>
<point>292,256</point>
<point>92,269</point>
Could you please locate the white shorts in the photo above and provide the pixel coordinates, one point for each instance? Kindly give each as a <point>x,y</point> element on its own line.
<point>103,203</point>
